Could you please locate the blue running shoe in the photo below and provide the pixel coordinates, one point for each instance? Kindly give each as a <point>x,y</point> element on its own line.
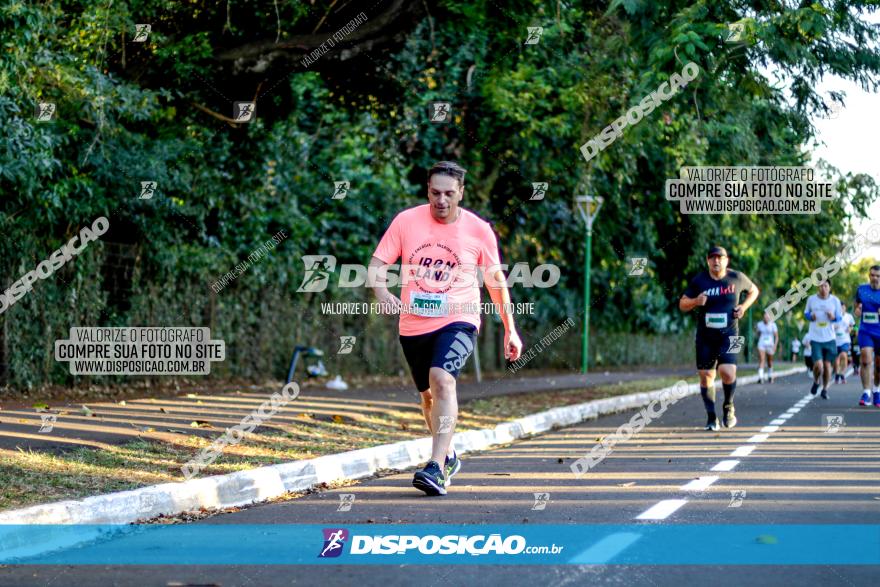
<point>451,467</point>
<point>430,479</point>
<point>877,399</point>
<point>866,399</point>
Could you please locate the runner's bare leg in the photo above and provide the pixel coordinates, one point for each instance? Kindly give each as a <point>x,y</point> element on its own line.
<point>444,413</point>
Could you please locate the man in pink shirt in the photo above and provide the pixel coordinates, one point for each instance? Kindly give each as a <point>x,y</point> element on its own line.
<point>441,247</point>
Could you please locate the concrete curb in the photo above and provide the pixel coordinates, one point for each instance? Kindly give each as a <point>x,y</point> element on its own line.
<point>264,483</point>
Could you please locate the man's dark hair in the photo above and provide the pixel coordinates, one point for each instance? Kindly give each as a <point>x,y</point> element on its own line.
<point>874,268</point>
<point>450,168</point>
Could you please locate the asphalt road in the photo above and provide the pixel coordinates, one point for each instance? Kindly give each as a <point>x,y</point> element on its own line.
<point>801,473</point>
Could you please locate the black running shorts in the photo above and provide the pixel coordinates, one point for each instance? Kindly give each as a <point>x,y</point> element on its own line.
<point>447,348</point>
<point>713,348</point>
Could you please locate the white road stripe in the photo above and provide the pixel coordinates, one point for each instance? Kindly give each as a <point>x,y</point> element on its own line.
<point>725,466</point>
<point>666,507</point>
<point>661,510</point>
<point>699,484</point>
<point>606,549</point>
<point>743,451</point>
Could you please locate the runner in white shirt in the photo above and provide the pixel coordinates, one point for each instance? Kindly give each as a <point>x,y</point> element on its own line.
<point>795,349</point>
<point>822,311</point>
<point>768,341</point>
<point>843,338</point>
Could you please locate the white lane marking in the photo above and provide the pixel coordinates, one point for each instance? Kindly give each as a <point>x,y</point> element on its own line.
<point>661,510</point>
<point>606,549</point>
<point>699,484</point>
<point>743,451</point>
<point>666,507</point>
<point>725,466</point>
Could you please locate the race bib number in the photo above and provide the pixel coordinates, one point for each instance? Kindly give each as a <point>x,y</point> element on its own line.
<point>870,317</point>
<point>822,324</point>
<point>430,305</point>
<point>716,320</point>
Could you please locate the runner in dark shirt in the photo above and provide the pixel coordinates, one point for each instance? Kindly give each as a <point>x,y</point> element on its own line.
<point>715,295</point>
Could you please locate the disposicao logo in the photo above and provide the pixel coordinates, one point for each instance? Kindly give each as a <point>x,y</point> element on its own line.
<point>334,541</point>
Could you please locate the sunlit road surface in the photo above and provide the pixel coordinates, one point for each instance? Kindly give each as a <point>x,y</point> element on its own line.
<point>792,459</point>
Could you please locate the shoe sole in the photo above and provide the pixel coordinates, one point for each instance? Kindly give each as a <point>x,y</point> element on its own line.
<point>730,423</point>
<point>426,484</point>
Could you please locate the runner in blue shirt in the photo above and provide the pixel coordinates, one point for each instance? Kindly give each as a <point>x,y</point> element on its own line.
<point>867,309</point>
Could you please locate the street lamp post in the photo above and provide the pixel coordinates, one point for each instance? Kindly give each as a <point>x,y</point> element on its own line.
<point>588,206</point>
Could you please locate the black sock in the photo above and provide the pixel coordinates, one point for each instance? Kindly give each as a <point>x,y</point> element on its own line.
<point>708,399</point>
<point>729,388</point>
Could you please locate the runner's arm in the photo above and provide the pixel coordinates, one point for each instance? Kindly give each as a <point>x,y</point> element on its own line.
<point>497,287</point>
<point>753,294</point>
<point>380,284</point>
<point>686,304</point>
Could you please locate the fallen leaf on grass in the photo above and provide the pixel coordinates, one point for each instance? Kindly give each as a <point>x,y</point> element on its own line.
<point>200,424</point>
<point>338,419</point>
<point>41,407</point>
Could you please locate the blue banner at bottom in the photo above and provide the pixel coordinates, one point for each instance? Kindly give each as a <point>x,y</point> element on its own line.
<point>423,544</point>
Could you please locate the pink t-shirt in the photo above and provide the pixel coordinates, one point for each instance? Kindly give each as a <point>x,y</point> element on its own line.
<point>438,266</point>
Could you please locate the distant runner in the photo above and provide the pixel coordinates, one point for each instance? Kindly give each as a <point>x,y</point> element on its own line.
<point>715,295</point>
<point>822,310</point>
<point>842,334</point>
<point>808,354</point>
<point>795,350</point>
<point>441,245</point>
<point>855,353</point>
<point>867,309</point>
<point>768,342</point>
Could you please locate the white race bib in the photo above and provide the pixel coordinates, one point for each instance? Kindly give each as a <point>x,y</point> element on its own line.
<point>822,324</point>
<point>716,320</point>
<point>870,317</point>
<point>431,305</point>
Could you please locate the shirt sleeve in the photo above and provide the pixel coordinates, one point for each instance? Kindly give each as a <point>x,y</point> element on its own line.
<point>745,283</point>
<point>488,249</point>
<point>692,290</point>
<point>390,247</point>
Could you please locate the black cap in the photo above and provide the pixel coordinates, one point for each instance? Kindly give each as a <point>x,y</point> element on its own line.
<point>716,251</point>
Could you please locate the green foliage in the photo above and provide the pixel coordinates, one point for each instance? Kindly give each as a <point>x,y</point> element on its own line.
<point>128,113</point>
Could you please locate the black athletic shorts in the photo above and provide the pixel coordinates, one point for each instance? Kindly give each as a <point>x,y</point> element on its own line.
<point>808,361</point>
<point>447,348</point>
<point>713,348</point>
